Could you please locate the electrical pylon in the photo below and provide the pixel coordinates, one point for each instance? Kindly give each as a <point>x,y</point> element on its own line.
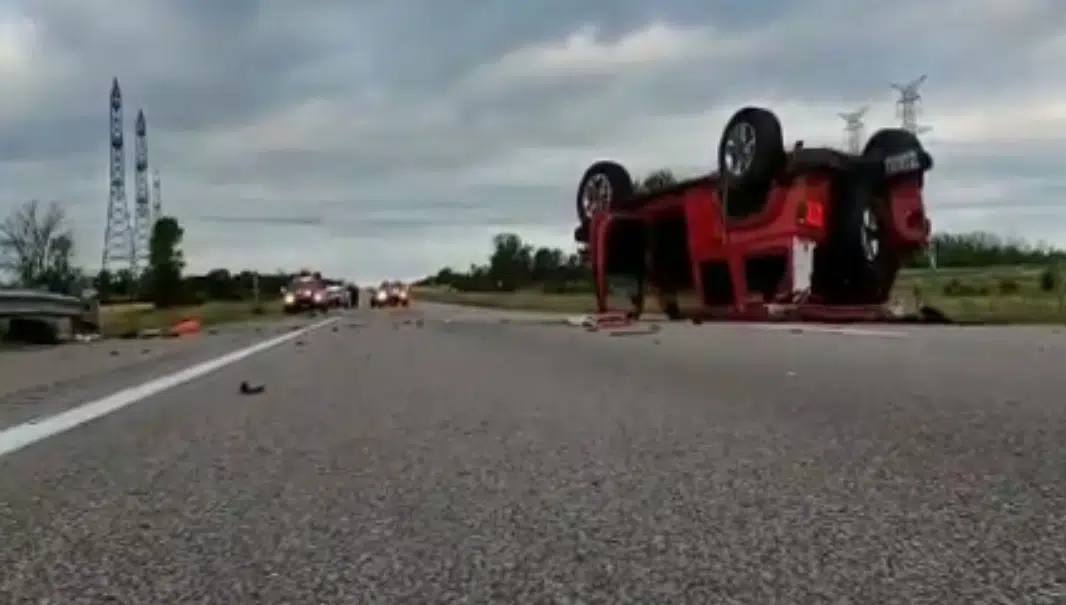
<point>118,245</point>
<point>908,106</point>
<point>854,129</point>
<point>142,209</point>
<point>157,197</point>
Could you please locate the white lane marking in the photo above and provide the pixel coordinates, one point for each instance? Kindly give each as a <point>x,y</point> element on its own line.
<point>816,329</point>
<point>28,433</point>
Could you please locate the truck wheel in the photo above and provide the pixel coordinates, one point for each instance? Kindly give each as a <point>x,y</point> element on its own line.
<point>603,185</point>
<point>860,267</point>
<point>752,149</point>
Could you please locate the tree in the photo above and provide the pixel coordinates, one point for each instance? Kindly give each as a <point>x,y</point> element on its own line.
<point>37,247</point>
<point>165,263</point>
<point>511,262</point>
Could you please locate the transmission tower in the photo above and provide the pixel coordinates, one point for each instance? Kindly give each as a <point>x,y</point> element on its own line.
<point>142,208</point>
<point>909,105</point>
<point>118,245</point>
<point>157,197</point>
<point>854,129</point>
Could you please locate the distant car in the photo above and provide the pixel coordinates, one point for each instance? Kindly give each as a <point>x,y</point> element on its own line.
<point>337,295</point>
<point>391,294</point>
<point>306,293</point>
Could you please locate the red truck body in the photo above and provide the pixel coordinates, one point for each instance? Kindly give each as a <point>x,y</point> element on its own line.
<point>808,233</point>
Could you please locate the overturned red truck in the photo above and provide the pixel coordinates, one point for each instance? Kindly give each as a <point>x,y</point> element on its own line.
<point>801,233</point>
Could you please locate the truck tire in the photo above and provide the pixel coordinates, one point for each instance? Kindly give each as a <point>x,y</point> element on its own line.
<point>858,266</point>
<point>604,185</point>
<point>752,149</point>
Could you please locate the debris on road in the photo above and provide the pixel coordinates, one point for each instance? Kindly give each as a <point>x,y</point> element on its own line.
<point>248,389</point>
<point>186,327</point>
<point>601,321</point>
<point>639,330</point>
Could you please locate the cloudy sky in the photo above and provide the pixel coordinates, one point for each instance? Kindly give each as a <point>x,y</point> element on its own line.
<point>378,138</point>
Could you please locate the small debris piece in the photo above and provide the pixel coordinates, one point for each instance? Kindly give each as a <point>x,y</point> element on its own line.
<point>248,389</point>
<point>645,330</point>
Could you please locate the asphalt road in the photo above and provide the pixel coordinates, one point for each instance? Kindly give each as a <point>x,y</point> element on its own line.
<point>457,459</point>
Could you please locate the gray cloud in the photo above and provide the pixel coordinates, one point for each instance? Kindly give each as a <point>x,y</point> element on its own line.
<point>389,137</point>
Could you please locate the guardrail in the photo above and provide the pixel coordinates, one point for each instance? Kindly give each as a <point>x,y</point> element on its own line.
<point>84,311</point>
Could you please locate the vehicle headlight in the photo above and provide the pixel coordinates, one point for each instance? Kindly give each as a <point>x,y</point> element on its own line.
<point>403,294</point>
<point>289,299</point>
<point>381,295</point>
<point>318,296</point>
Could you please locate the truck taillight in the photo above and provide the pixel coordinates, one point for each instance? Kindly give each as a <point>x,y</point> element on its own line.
<point>910,223</point>
<point>812,213</point>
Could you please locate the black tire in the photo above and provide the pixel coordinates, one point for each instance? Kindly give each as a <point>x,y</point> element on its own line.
<point>859,267</point>
<point>752,149</point>
<point>616,186</point>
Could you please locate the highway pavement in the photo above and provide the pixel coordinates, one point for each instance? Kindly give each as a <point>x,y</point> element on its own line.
<point>444,455</point>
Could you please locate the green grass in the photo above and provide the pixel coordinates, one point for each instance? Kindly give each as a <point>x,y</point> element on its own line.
<point>999,295</point>
<point>133,317</point>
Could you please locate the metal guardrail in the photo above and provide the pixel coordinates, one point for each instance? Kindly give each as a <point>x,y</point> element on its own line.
<point>31,303</point>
